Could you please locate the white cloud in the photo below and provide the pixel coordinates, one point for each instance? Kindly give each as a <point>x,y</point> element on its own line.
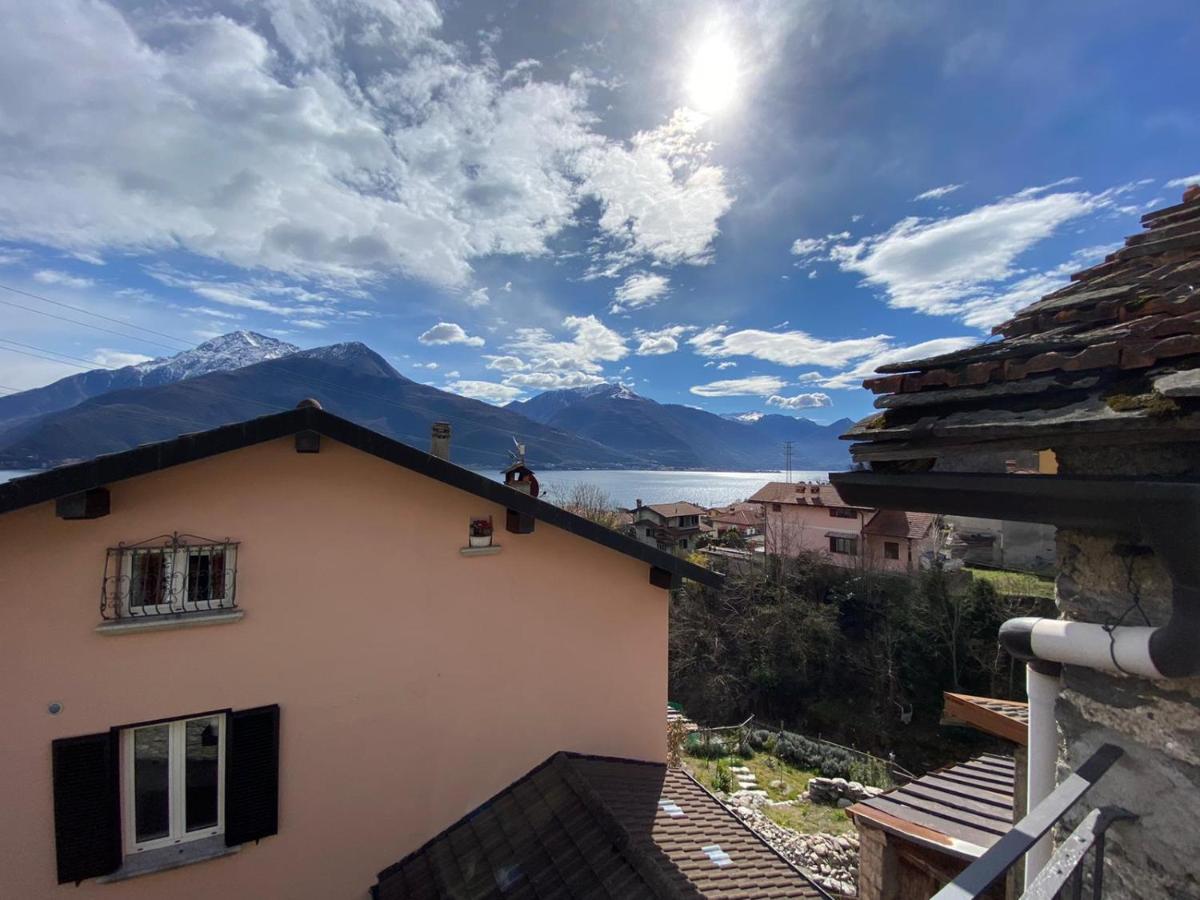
<point>1186,181</point>
<point>729,364</point>
<point>449,333</point>
<point>813,249</point>
<point>660,196</point>
<point>787,348</point>
<point>552,381</point>
<point>115,359</point>
<point>339,141</point>
<point>507,287</point>
<point>478,297</point>
<point>487,391</point>
<point>61,279</point>
<point>800,401</point>
<point>425,365</point>
<point>592,344</point>
<point>310,324</point>
<point>853,378</point>
<point>662,341</point>
<point>639,290</point>
<point>506,363</point>
<point>962,265</point>
<point>938,192</point>
<point>757,385</point>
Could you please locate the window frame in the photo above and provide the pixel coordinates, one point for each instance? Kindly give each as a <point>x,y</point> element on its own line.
<point>886,549</point>
<point>842,512</point>
<point>176,784</point>
<point>177,585</point>
<point>835,542</point>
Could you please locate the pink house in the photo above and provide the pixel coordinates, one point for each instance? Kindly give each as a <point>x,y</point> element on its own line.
<point>264,661</point>
<point>807,517</point>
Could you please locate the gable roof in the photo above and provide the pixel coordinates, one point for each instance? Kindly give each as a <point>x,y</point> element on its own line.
<point>104,470</point>
<point>671,510</point>
<point>596,826</point>
<point>1117,350</point>
<point>894,523</point>
<point>800,493</point>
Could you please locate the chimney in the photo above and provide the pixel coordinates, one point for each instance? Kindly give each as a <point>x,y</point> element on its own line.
<point>439,443</point>
<point>1192,193</point>
<point>638,502</point>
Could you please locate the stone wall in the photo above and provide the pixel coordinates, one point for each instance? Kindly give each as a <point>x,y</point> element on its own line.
<point>1157,723</point>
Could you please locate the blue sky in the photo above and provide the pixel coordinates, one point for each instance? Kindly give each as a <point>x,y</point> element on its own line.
<point>740,206</point>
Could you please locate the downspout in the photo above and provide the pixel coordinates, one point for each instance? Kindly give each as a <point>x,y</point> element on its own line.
<point>1169,651</point>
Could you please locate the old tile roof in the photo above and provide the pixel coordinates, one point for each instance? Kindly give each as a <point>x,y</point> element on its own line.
<point>586,826</point>
<point>1117,349</point>
<point>800,493</point>
<point>894,523</point>
<point>961,810</point>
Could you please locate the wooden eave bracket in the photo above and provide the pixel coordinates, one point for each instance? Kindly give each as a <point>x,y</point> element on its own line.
<point>90,504</point>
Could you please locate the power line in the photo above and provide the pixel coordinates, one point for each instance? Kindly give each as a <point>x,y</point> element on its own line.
<point>88,312</point>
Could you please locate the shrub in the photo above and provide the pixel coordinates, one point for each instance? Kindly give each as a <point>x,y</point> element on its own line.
<point>723,778</point>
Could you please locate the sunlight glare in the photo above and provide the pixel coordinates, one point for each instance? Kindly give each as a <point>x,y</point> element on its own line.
<point>712,81</point>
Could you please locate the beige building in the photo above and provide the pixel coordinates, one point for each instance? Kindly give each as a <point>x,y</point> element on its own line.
<point>807,517</point>
<point>264,661</point>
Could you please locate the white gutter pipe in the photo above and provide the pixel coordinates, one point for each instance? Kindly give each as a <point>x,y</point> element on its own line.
<point>1041,684</point>
<point>1125,648</point>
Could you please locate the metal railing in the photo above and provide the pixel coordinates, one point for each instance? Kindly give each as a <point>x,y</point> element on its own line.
<point>1067,873</point>
<point>172,574</point>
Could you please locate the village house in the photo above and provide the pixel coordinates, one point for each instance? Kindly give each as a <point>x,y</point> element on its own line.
<point>274,658</point>
<point>669,526</point>
<point>1104,373</point>
<point>806,517</point>
<point>744,518</point>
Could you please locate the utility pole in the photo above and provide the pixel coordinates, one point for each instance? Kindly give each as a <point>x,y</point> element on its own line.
<point>787,459</point>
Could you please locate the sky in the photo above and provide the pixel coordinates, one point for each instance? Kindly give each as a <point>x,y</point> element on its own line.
<point>738,206</point>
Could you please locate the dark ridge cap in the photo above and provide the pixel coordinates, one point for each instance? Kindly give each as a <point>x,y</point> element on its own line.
<point>1155,215</point>
<point>141,460</point>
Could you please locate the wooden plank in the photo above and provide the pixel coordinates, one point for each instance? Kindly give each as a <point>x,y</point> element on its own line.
<point>959,831</point>
<point>990,720</point>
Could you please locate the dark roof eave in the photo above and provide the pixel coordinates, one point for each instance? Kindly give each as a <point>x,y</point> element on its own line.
<point>142,460</point>
<point>1119,504</point>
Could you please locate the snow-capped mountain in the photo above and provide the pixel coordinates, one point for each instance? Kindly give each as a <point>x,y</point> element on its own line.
<point>221,354</point>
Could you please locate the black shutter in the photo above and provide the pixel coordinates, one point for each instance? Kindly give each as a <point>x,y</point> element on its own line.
<point>87,808</point>
<point>252,775</point>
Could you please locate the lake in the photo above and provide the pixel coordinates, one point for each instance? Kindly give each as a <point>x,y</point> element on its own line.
<point>626,486</point>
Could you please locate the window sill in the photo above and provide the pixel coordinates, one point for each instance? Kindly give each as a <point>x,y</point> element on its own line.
<point>175,620</point>
<point>170,858</point>
<point>480,551</point>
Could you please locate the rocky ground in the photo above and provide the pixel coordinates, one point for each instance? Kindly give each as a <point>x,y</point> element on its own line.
<point>830,859</point>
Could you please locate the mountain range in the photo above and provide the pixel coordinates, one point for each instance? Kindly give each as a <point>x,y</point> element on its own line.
<point>241,375</point>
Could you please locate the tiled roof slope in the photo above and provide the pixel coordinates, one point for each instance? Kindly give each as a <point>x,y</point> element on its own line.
<point>961,809</point>
<point>583,826</point>
<point>801,493</point>
<point>894,523</point>
<point>682,508</point>
<point>1117,349</point>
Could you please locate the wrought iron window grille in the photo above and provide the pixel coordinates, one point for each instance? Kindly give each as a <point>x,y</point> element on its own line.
<point>171,574</point>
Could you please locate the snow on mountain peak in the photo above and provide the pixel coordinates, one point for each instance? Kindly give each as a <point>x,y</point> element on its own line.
<point>220,354</point>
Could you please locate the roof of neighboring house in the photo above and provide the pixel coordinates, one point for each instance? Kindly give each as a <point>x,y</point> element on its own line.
<point>104,470</point>
<point>800,493</point>
<point>1118,349</point>
<point>671,510</point>
<point>961,809</point>
<point>894,523</point>
<point>1008,719</point>
<point>740,517</point>
<point>589,826</point>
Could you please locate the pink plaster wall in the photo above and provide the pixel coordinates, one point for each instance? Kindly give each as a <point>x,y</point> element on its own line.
<point>797,529</point>
<point>414,683</point>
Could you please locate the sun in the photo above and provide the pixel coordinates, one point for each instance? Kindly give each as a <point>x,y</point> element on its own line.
<point>712,81</point>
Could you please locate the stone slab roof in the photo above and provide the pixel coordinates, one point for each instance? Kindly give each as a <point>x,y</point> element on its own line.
<point>961,810</point>
<point>1117,350</point>
<point>586,826</point>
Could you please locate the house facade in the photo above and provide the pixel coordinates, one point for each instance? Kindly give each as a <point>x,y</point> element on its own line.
<point>669,526</point>
<point>263,662</point>
<point>810,518</point>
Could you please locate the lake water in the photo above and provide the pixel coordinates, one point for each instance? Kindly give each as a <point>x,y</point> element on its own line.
<point>625,486</point>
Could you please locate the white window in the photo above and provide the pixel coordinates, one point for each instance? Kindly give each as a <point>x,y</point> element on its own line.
<point>173,782</point>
